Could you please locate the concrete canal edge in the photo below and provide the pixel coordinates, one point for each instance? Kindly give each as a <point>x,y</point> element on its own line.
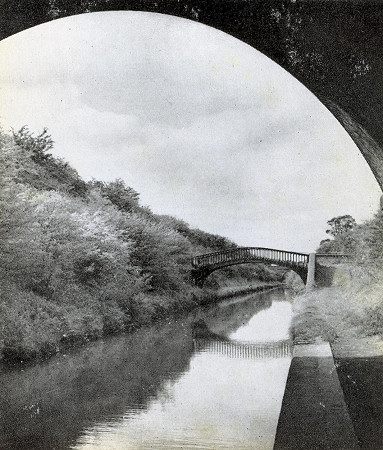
<point>314,414</point>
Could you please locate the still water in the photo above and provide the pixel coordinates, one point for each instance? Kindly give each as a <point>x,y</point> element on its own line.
<point>212,380</point>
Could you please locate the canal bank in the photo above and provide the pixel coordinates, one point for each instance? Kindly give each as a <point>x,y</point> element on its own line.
<point>334,392</point>
<point>314,414</point>
<point>159,313</point>
<point>359,364</point>
<point>334,396</point>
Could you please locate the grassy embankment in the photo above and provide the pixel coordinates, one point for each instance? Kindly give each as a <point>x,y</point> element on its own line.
<point>353,306</point>
<point>82,260</point>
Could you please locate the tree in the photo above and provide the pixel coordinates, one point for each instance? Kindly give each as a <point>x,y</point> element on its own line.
<point>124,197</point>
<point>340,225</point>
<point>344,230</point>
<point>50,173</point>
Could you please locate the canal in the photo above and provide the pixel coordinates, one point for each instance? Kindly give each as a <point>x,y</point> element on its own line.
<point>213,379</point>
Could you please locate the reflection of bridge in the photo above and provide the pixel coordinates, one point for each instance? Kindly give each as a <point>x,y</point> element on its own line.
<point>301,263</point>
<point>232,349</point>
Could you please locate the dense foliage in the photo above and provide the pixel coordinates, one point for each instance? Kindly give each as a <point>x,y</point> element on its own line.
<point>363,241</point>
<point>80,260</point>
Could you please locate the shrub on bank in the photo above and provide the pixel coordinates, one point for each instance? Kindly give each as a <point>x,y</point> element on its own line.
<point>353,307</point>
<point>29,324</point>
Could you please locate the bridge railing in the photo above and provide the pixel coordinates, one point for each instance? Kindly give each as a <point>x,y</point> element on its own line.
<point>250,254</point>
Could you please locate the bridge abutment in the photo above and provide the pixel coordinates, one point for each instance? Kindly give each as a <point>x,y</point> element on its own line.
<point>310,283</point>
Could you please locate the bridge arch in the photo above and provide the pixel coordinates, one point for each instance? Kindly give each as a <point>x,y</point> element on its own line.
<point>204,265</point>
<point>334,48</point>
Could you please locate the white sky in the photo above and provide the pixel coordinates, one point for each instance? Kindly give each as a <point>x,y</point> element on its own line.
<point>203,126</point>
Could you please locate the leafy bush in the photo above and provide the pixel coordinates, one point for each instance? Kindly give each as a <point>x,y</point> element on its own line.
<point>29,324</point>
<point>123,197</point>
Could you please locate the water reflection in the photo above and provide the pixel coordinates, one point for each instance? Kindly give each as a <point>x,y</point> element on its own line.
<point>153,389</point>
<point>246,350</point>
<point>218,403</point>
<point>266,326</point>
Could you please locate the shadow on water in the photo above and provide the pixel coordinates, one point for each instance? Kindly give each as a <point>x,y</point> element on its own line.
<point>46,406</point>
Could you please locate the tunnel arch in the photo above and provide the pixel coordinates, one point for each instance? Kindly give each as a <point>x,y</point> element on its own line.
<point>334,48</point>
<point>203,36</point>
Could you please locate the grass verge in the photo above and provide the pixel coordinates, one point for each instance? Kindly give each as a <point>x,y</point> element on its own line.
<point>352,308</point>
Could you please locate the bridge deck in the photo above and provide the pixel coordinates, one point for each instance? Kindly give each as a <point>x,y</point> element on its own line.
<point>243,254</point>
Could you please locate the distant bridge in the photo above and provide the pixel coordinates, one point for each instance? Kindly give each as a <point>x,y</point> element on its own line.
<point>302,263</point>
